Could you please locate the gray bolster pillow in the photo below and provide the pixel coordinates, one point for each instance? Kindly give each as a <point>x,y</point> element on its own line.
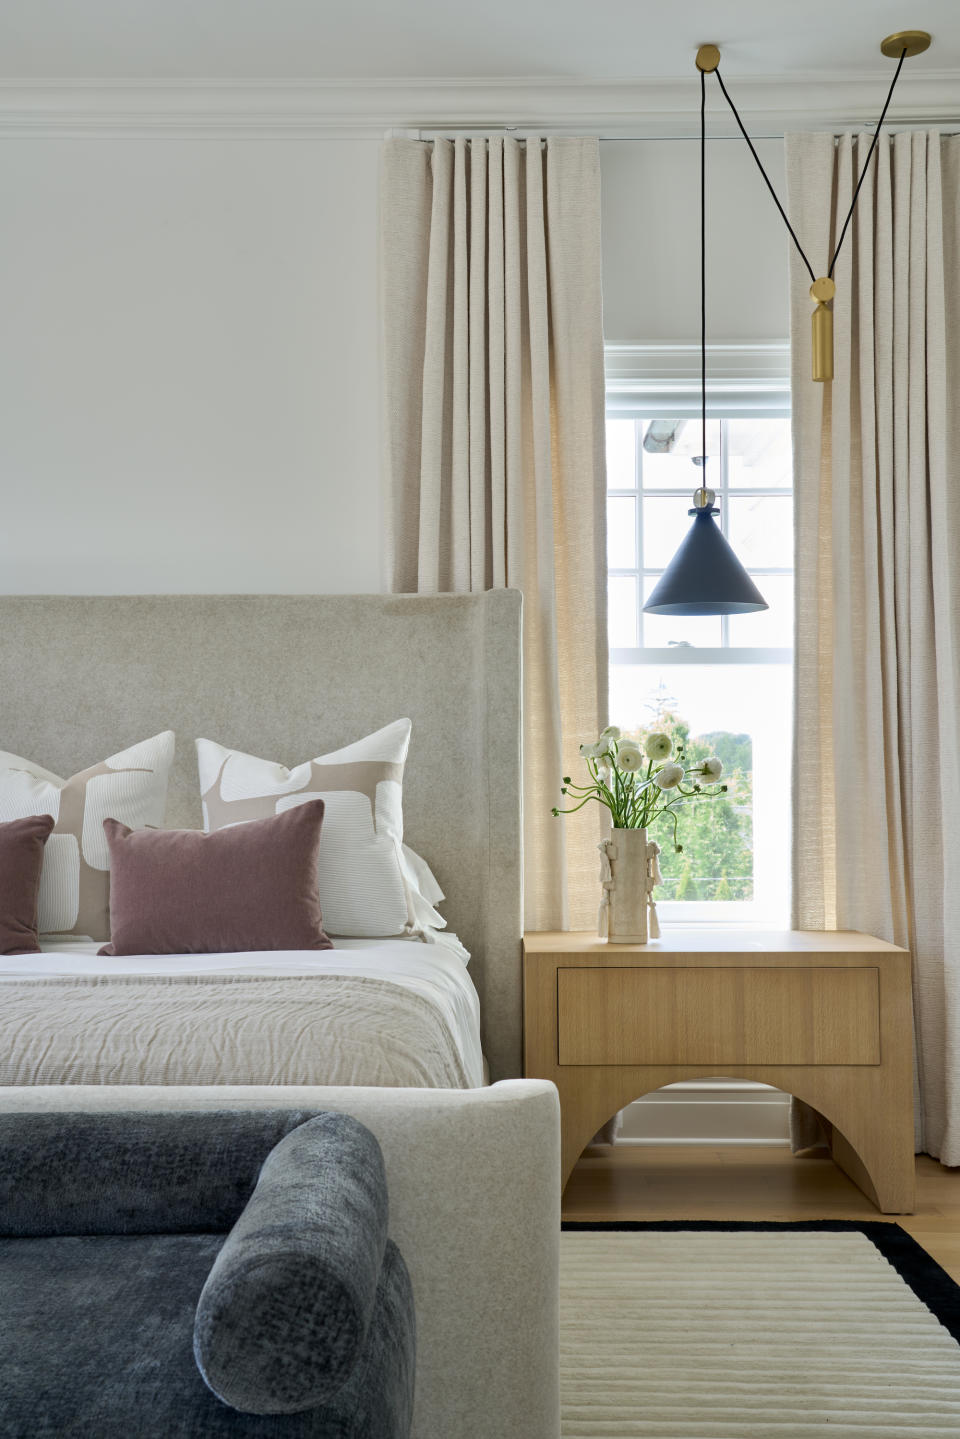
<point>286,1307</point>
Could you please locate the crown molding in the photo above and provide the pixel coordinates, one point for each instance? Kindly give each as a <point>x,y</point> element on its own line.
<point>364,109</point>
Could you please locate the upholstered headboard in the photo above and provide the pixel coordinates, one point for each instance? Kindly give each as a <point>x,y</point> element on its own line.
<point>291,676</point>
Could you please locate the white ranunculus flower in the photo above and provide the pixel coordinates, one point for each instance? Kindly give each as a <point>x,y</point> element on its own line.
<point>712,769</point>
<point>657,746</point>
<point>611,732</point>
<point>596,751</point>
<point>629,758</point>
<point>668,777</point>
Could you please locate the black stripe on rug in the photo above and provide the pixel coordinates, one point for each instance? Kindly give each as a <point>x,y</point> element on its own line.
<point>931,1284</point>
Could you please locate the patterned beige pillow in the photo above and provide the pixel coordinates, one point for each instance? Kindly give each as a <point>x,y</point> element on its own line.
<point>75,883</point>
<point>363,879</point>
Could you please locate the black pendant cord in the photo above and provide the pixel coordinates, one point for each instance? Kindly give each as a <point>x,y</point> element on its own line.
<point>703,278</point>
<point>753,152</point>
<point>866,163</point>
<point>776,198</point>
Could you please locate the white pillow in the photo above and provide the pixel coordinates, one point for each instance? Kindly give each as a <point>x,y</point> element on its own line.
<point>424,878</point>
<point>75,881</point>
<point>366,886</point>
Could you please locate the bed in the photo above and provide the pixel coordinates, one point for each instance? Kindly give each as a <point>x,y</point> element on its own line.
<point>291,676</point>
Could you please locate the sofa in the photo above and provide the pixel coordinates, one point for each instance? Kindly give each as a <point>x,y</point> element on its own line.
<point>200,1274</point>
<point>474,1189</point>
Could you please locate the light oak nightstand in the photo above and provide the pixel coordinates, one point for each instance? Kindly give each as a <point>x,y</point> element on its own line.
<point>827,1017</point>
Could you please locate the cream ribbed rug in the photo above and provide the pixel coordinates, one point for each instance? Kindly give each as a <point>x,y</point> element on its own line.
<point>719,1334</point>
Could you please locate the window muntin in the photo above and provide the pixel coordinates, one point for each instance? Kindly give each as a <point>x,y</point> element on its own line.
<point>647,519</point>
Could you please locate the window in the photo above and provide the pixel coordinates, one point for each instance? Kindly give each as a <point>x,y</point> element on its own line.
<point>723,684</point>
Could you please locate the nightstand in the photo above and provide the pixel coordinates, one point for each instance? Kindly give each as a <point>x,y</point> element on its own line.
<point>827,1017</point>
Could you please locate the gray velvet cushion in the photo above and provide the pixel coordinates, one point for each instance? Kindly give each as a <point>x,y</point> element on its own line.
<point>162,1173</point>
<point>95,1342</point>
<point>284,1314</point>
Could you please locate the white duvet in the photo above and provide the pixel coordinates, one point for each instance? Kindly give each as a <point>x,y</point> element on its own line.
<point>369,1011</point>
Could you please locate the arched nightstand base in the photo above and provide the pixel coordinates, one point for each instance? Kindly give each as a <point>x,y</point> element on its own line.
<point>888,1185</point>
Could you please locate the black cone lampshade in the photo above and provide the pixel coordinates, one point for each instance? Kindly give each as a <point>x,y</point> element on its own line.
<point>704,577</point>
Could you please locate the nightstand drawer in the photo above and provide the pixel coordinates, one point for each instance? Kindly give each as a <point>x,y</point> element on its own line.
<point>718,1015</point>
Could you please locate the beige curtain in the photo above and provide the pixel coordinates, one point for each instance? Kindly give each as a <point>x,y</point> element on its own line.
<point>877,465</point>
<point>493,373</point>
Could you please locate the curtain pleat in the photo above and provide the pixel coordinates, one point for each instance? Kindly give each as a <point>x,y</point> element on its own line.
<point>493,358</point>
<point>877,466</point>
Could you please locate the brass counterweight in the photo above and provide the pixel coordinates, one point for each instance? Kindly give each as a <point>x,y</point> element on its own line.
<point>823,291</point>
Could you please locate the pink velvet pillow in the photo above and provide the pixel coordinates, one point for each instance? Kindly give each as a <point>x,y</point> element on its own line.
<point>253,886</point>
<point>21,860</point>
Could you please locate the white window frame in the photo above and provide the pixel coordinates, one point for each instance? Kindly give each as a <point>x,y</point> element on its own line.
<point>663,382</point>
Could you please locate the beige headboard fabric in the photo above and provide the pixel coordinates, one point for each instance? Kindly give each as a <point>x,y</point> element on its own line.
<point>292,676</point>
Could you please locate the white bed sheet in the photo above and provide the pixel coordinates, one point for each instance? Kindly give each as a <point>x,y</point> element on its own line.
<point>430,970</point>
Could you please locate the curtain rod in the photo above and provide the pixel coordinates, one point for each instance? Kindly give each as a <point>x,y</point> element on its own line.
<point>512,132</point>
<point>516,132</point>
<point>429,136</point>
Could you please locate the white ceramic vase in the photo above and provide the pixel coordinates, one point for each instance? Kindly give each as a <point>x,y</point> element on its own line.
<point>629,872</point>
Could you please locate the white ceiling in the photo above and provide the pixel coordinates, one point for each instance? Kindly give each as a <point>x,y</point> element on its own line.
<point>405,39</point>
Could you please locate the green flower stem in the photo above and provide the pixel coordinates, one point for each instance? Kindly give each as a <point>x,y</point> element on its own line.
<point>672,814</point>
<point>618,789</point>
<point>575,808</point>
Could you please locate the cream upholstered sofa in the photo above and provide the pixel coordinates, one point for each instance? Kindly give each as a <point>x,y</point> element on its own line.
<point>474,1185</point>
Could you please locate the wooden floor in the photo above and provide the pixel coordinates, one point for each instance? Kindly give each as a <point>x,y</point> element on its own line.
<point>632,1181</point>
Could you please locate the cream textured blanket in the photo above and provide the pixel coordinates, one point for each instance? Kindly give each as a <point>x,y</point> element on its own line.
<point>224,1029</point>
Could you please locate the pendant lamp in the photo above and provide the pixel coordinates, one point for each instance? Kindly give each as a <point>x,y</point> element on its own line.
<point>705,577</point>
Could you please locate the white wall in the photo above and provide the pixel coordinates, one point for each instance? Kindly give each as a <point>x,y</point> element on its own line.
<point>188,365</point>
<point>189,387</point>
<point>651,243</point>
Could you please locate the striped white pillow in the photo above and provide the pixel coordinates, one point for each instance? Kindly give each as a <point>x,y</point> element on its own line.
<point>364,889</point>
<point>75,881</point>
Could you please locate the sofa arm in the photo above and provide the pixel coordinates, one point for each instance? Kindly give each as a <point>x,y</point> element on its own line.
<point>285,1311</point>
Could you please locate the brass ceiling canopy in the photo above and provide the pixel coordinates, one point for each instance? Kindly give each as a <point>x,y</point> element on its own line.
<point>905,42</point>
<point>708,58</point>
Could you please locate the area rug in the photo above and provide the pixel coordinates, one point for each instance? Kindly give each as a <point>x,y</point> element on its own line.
<point>756,1331</point>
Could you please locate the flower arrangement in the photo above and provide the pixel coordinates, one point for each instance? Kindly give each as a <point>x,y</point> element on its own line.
<point>640,783</point>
